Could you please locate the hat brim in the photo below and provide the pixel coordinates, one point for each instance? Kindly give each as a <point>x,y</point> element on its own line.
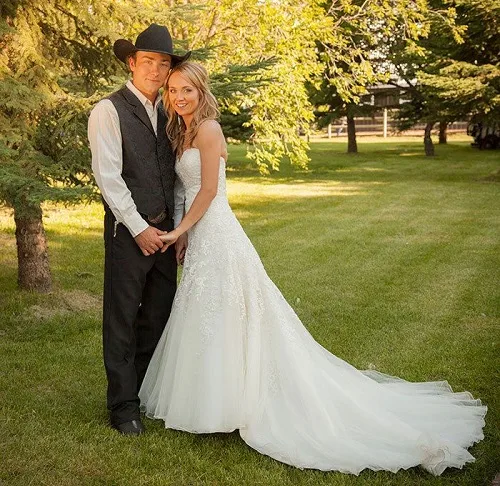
<point>124,48</point>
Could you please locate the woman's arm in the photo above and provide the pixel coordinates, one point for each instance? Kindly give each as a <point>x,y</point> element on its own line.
<point>208,141</point>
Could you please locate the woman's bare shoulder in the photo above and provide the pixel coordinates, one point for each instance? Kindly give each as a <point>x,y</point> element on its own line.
<point>209,127</point>
<point>209,131</point>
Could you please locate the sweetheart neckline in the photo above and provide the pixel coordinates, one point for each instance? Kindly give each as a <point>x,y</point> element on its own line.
<point>196,148</point>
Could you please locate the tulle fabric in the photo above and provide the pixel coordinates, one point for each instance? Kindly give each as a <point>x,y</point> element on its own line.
<point>235,356</point>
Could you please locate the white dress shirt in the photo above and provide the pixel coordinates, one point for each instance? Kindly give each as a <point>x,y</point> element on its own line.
<point>107,162</point>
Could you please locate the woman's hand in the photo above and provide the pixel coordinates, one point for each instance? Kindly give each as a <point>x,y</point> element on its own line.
<point>180,248</point>
<point>168,239</point>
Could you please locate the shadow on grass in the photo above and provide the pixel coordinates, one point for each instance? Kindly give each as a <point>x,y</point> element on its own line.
<point>384,162</point>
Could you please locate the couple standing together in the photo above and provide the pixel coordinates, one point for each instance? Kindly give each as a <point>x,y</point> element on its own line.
<point>225,351</point>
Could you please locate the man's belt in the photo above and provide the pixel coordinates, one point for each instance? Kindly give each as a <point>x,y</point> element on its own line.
<point>158,218</point>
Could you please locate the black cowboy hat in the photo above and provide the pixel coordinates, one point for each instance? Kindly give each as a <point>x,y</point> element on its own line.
<point>155,38</point>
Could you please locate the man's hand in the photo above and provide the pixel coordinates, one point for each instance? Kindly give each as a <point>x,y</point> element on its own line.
<point>180,248</point>
<point>149,240</point>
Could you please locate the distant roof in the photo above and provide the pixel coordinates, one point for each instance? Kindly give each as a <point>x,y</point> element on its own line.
<point>397,83</point>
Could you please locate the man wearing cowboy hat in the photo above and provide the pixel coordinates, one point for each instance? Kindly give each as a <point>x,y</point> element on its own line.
<point>133,164</point>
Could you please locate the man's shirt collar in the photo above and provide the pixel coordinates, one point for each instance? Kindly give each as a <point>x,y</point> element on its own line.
<point>140,96</point>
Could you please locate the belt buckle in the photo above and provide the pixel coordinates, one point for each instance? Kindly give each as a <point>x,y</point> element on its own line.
<point>159,218</point>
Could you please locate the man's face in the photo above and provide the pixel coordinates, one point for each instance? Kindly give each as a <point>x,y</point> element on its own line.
<point>149,71</point>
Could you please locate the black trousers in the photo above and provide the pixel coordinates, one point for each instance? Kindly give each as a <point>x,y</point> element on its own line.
<point>138,295</point>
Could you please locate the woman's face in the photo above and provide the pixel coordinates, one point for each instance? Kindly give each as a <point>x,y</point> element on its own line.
<point>182,94</point>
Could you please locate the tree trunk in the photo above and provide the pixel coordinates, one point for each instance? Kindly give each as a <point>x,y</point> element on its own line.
<point>428,145</point>
<point>443,135</point>
<point>32,255</point>
<point>352,146</point>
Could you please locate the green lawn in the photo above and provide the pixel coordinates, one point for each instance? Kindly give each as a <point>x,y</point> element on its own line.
<point>390,259</point>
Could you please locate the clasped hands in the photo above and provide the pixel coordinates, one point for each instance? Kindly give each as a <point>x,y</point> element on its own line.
<point>152,239</point>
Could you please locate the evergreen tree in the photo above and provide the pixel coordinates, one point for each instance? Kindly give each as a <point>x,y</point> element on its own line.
<point>44,48</point>
<point>454,72</point>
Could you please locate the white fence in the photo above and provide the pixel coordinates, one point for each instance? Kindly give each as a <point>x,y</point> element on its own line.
<point>384,125</point>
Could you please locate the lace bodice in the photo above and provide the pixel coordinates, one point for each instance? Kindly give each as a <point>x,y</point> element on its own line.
<point>188,168</point>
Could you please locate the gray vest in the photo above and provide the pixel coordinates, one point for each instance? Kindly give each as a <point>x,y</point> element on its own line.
<point>148,160</point>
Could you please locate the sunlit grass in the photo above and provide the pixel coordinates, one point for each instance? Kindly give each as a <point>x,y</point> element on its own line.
<point>390,259</point>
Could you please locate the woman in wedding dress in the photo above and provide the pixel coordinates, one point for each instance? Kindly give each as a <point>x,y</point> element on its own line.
<point>234,355</point>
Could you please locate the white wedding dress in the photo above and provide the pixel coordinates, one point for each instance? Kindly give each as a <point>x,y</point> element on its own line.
<point>234,355</point>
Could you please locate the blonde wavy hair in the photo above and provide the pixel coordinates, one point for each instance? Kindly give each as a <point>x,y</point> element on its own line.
<point>207,109</point>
